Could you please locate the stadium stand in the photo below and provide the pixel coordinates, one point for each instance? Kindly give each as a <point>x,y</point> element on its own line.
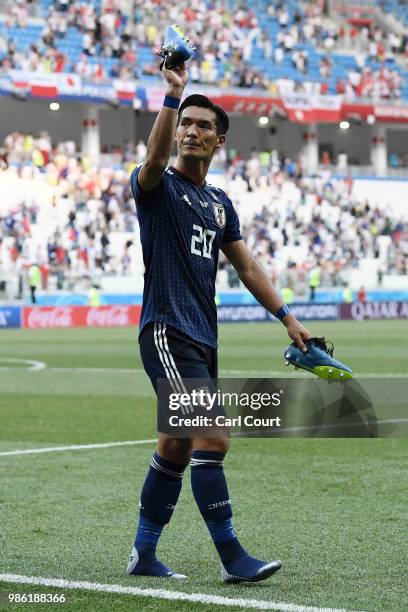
<point>258,44</point>
<point>78,220</point>
<point>398,8</point>
<point>80,224</point>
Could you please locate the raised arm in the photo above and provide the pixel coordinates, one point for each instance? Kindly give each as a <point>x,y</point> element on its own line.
<point>162,135</point>
<point>255,279</point>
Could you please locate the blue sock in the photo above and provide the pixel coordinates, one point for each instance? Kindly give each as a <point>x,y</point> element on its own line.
<point>147,536</point>
<point>158,500</point>
<point>211,494</point>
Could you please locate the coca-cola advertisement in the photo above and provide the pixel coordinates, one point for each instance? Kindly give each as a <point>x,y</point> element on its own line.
<point>80,316</point>
<point>112,316</point>
<point>47,317</point>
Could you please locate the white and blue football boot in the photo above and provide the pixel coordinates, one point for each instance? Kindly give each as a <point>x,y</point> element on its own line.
<point>176,48</point>
<point>318,359</point>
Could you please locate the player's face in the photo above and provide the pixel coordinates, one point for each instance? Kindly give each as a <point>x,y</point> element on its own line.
<point>196,134</point>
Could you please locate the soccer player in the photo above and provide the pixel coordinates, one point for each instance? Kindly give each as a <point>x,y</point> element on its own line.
<point>184,222</point>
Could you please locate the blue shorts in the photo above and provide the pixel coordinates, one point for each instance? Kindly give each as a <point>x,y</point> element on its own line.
<point>168,353</point>
<point>179,366</point>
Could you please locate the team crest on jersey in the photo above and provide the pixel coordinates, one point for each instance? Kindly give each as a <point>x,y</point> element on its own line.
<point>219,214</point>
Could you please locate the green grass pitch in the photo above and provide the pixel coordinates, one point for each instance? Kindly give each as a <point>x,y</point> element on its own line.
<point>334,510</point>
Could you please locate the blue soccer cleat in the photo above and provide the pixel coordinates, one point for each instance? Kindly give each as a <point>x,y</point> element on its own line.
<point>176,48</point>
<point>150,566</point>
<point>318,359</point>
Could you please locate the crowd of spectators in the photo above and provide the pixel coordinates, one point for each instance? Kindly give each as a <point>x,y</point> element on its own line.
<point>318,217</point>
<point>379,84</point>
<point>84,207</point>
<point>314,26</point>
<point>382,84</point>
<point>308,221</point>
<point>221,36</point>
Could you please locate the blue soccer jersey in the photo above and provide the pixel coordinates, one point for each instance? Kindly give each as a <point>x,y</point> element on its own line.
<point>182,228</point>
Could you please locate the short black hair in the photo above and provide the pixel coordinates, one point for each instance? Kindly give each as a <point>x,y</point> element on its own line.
<point>222,121</point>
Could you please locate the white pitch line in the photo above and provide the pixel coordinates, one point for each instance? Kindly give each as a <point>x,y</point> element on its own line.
<point>216,600</point>
<point>33,365</point>
<point>291,374</point>
<point>242,373</point>
<point>340,425</point>
<point>303,374</point>
<point>56,449</point>
<point>74,447</point>
<point>99,370</point>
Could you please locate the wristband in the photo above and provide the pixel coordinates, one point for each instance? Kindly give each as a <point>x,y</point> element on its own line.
<point>282,312</point>
<point>170,102</point>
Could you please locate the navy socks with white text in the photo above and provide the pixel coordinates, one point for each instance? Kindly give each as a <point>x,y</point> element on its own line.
<point>211,494</point>
<point>158,499</point>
